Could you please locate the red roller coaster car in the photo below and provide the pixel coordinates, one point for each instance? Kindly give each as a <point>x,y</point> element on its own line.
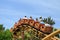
<point>36,25</point>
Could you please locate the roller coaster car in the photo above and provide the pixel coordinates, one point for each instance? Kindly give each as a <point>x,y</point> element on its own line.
<point>31,22</point>
<point>36,25</point>
<point>45,29</point>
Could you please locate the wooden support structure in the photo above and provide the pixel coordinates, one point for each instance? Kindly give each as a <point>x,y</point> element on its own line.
<point>51,35</point>
<point>24,24</point>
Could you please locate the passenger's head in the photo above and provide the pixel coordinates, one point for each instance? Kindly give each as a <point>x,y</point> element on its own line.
<point>36,19</point>
<point>30,16</point>
<point>25,16</point>
<point>40,17</point>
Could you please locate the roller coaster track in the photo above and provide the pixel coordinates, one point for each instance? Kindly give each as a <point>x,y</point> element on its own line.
<point>50,36</point>
<point>20,26</point>
<point>27,27</point>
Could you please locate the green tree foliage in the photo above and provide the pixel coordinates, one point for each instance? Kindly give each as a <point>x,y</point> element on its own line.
<point>5,34</point>
<point>31,35</point>
<point>49,20</point>
<point>1,27</point>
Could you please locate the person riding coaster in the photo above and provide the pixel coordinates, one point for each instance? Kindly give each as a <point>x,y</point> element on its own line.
<point>45,27</point>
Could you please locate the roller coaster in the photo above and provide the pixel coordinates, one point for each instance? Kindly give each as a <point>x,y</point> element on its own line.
<point>40,30</point>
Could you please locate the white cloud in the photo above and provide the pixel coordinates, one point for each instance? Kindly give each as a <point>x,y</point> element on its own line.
<point>39,6</point>
<point>34,8</point>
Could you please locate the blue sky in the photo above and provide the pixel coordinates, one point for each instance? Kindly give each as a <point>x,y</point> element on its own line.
<point>12,10</point>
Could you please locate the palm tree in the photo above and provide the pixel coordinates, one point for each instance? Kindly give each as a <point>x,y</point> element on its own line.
<point>49,21</point>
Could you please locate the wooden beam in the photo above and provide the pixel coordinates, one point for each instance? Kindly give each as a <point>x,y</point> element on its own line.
<point>52,34</point>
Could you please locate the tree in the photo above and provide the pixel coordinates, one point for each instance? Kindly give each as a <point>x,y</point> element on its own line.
<point>49,20</point>
<point>8,34</point>
<point>5,35</point>
<point>1,27</point>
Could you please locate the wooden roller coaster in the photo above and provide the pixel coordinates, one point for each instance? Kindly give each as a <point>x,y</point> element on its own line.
<point>40,30</point>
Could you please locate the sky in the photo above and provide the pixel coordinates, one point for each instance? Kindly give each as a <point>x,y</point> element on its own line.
<point>12,10</point>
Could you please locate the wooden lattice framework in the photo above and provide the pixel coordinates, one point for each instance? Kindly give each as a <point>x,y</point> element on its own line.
<point>26,24</point>
<point>52,36</point>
